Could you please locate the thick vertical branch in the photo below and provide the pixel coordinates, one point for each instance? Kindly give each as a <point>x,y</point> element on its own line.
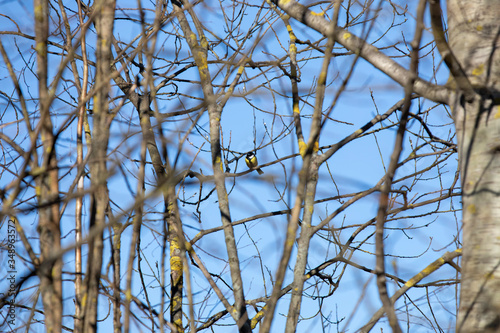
<point>389,176</point>
<point>294,79</point>
<point>199,51</point>
<point>311,184</point>
<point>173,228</point>
<point>175,233</point>
<point>82,102</point>
<point>116,247</point>
<point>306,191</point>
<point>48,184</point>
<point>135,237</point>
<point>101,125</point>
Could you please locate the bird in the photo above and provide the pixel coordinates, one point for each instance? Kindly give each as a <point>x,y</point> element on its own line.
<point>251,161</point>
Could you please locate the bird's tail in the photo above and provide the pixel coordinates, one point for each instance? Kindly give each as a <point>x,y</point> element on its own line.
<point>259,170</point>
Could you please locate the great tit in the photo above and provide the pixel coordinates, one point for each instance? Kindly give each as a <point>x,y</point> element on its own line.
<point>251,161</point>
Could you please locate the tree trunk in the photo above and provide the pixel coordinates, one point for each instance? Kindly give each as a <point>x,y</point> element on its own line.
<point>98,169</point>
<point>50,270</point>
<point>473,34</point>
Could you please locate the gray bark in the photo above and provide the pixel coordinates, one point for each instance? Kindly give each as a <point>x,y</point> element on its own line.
<point>473,35</point>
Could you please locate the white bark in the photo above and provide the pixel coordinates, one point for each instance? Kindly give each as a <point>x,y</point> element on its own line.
<point>473,31</point>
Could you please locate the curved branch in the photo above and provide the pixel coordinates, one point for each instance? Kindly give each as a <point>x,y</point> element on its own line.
<point>447,258</point>
<point>365,50</point>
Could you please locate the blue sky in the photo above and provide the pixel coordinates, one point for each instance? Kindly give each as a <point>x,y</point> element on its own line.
<point>357,166</point>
